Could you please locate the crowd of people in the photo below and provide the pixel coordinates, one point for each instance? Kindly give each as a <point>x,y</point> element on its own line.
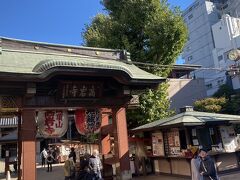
<point>49,157</point>
<point>203,167</point>
<point>90,165</point>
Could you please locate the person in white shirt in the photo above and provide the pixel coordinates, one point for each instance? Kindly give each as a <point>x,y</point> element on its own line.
<point>43,156</point>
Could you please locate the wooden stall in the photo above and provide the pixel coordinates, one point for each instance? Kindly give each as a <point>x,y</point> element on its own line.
<point>175,139</point>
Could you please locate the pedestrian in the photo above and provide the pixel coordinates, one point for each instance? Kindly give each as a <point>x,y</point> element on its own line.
<point>69,168</point>
<point>195,166</point>
<point>95,164</point>
<point>50,160</point>
<point>15,165</point>
<point>207,166</point>
<point>73,154</point>
<point>54,155</point>
<point>85,173</point>
<point>43,156</point>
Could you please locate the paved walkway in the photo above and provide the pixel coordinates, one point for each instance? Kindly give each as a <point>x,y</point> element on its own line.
<point>57,174</point>
<point>159,177</point>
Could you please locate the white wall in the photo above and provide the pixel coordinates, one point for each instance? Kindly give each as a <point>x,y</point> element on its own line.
<point>210,38</point>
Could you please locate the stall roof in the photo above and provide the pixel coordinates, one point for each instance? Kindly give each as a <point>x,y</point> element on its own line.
<point>13,137</point>
<point>191,118</point>
<point>37,61</point>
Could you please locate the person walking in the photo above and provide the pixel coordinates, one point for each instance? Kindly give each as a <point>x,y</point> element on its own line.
<point>95,164</point>
<point>43,156</point>
<point>85,173</point>
<point>195,166</point>
<point>68,168</point>
<point>50,160</point>
<point>207,166</point>
<point>73,154</point>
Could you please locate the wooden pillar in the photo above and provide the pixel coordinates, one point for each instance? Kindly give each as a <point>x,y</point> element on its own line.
<point>28,136</point>
<point>106,146</point>
<point>121,144</point>
<point>105,139</point>
<point>7,159</point>
<point>188,141</point>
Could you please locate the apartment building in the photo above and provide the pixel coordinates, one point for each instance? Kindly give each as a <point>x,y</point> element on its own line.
<point>212,25</point>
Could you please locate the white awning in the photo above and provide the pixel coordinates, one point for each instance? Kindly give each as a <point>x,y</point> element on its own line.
<point>8,121</point>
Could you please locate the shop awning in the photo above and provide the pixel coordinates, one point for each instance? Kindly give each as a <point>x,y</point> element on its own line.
<point>192,118</point>
<point>13,137</point>
<point>8,121</point>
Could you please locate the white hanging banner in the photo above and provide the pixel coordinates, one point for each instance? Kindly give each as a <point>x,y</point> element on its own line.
<point>229,138</point>
<point>52,123</point>
<point>158,144</point>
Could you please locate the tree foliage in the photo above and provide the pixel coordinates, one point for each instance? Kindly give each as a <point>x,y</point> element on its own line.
<point>152,32</point>
<point>154,105</point>
<point>216,105</point>
<point>224,91</point>
<point>223,101</point>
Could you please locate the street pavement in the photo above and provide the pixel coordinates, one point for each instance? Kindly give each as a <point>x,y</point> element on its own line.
<point>57,174</point>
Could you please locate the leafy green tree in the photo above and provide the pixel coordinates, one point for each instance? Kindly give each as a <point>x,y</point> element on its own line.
<point>225,101</point>
<point>216,105</point>
<point>152,32</point>
<point>224,91</point>
<point>154,105</point>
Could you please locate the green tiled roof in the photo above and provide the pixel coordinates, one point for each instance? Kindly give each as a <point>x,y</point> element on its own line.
<point>189,119</point>
<point>32,62</point>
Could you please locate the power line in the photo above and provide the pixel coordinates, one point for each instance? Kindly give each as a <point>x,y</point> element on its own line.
<point>145,65</point>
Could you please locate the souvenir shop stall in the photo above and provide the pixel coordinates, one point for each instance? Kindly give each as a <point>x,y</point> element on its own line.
<point>140,150</point>
<point>174,141</point>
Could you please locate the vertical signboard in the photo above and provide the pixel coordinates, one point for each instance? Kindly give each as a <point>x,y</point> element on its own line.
<point>157,144</point>
<point>228,138</point>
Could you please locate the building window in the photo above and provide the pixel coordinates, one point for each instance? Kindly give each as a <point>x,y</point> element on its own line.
<point>220,57</point>
<point>190,58</point>
<point>209,86</point>
<point>190,16</point>
<point>220,82</point>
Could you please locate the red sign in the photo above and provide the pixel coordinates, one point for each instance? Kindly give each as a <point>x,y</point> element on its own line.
<point>52,123</point>
<point>88,121</point>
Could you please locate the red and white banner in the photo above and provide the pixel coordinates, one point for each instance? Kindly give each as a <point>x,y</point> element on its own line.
<point>88,121</point>
<point>52,123</point>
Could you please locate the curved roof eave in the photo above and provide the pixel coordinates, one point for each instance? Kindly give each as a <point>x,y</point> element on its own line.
<point>120,76</point>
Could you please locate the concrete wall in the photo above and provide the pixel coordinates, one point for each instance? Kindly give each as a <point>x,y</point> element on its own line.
<point>184,92</point>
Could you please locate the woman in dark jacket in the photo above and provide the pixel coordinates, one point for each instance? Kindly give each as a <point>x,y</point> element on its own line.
<point>84,173</point>
<point>207,166</point>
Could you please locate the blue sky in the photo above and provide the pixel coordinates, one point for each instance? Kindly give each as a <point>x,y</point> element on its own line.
<point>54,21</point>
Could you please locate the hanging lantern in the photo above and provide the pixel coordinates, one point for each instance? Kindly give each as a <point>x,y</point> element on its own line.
<point>52,123</point>
<point>88,121</point>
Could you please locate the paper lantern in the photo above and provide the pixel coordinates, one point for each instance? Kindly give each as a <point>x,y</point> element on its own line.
<point>88,121</point>
<point>52,123</point>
